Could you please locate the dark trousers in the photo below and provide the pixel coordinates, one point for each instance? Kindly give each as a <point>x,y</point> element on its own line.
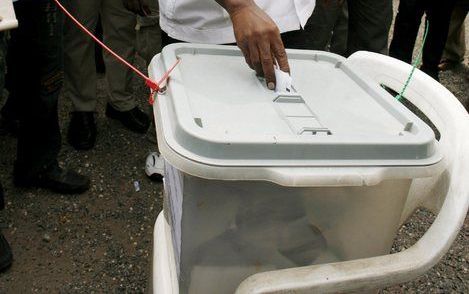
<point>2,200</point>
<point>368,25</point>
<point>292,40</point>
<point>438,14</point>
<point>3,50</point>
<point>328,27</point>
<point>35,79</point>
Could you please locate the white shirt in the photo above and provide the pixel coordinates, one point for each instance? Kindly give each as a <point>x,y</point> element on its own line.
<point>205,21</point>
<point>7,15</point>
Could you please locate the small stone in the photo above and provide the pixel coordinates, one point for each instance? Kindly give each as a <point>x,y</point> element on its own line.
<point>137,186</point>
<point>46,238</point>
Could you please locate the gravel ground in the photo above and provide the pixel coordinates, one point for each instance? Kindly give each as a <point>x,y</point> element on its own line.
<point>101,241</point>
<point>94,242</point>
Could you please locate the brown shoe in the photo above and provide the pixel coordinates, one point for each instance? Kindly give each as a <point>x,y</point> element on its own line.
<point>447,64</point>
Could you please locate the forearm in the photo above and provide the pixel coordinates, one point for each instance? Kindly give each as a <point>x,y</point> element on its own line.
<point>232,6</point>
<point>258,37</point>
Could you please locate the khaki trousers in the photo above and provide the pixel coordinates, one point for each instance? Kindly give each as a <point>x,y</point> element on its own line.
<point>80,70</point>
<point>149,33</point>
<point>456,43</point>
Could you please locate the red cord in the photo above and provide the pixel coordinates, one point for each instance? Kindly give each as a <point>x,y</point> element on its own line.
<point>151,100</point>
<point>154,86</point>
<point>166,74</point>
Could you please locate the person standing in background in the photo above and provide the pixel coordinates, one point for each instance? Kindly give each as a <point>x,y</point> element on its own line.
<point>9,117</point>
<point>328,26</point>
<point>148,32</point>
<point>455,48</point>
<point>6,256</point>
<point>368,25</point>
<point>261,29</point>
<point>408,19</point>
<point>80,74</point>
<point>256,29</point>
<point>36,51</point>
<point>148,45</point>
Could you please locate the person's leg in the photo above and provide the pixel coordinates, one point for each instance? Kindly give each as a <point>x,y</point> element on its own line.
<point>338,43</point>
<point>6,257</point>
<point>98,50</point>
<point>438,15</point>
<point>79,58</point>
<point>149,33</point>
<point>9,114</point>
<point>3,66</point>
<point>321,24</point>
<point>3,53</point>
<point>2,197</point>
<point>80,73</point>
<point>119,32</point>
<point>36,81</point>
<point>455,47</point>
<point>5,250</point>
<point>406,29</point>
<point>38,75</point>
<point>369,24</point>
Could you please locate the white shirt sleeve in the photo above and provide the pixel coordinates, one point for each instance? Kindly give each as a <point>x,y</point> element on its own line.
<point>7,15</point>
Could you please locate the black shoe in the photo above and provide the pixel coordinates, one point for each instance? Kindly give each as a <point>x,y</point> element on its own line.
<point>55,178</point>
<point>82,130</point>
<point>6,257</point>
<point>134,119</point>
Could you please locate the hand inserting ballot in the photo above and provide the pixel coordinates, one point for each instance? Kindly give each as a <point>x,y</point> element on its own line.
<point>258,37</point>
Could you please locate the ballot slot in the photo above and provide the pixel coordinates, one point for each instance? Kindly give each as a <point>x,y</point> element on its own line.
<point>299,117</point>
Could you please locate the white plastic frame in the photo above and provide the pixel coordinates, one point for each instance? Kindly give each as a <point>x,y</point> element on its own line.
<point>452,187</point>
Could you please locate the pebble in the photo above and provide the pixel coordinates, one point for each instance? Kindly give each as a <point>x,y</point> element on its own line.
<point>46,238</point>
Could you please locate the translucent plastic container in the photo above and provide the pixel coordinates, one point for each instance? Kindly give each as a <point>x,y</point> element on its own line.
<point>230,230</point>
<point>258,180</point>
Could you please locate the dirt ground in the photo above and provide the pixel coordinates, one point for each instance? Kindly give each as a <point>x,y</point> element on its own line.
<point>101,241</point>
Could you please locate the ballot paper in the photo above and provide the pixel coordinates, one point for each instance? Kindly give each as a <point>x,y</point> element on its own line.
<point>283,82</point>
<point>7,15</point>
<point>174,187</point>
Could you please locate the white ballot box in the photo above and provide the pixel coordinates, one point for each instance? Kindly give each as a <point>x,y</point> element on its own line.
<point>258,180</point>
